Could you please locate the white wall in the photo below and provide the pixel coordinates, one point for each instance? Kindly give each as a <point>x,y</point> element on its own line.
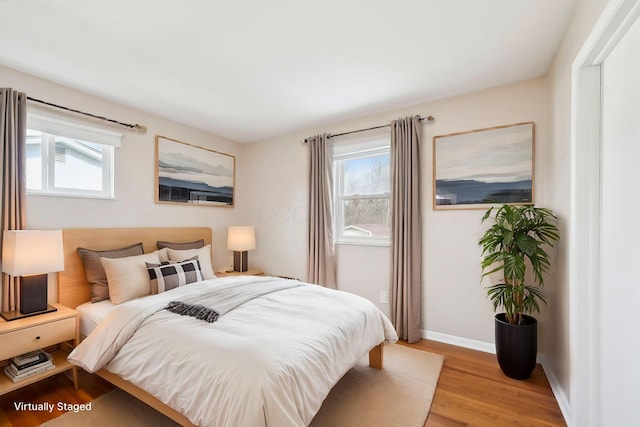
<point>134,204</point>
<point>620,342</point>
<point>454,302</point>
<point>365,271</point>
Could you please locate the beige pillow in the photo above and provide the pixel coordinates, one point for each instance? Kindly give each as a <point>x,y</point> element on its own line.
<point>128,277</point>
<point>203,254</point>
<point>163,254</point>
<point>94,271</point>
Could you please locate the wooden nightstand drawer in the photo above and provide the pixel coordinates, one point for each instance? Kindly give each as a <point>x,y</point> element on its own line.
<point>37,332</point>
<point>36,337</point>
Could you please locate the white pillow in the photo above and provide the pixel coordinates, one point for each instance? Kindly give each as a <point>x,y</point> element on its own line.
<point>128,277</point>
<point>204,256</point>
<point>163,254</point>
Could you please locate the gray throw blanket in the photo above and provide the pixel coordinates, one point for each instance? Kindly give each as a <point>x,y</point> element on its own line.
<point>194,310</point>
<point>222,299</point>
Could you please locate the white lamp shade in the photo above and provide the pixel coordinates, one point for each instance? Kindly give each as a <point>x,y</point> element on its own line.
<point>241,238</point>
<point>28,252</point>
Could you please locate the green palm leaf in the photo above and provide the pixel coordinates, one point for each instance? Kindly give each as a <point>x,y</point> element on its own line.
<point>516,241</point>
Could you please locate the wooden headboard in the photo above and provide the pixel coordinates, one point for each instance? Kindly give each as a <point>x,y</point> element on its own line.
<point>73,288</point>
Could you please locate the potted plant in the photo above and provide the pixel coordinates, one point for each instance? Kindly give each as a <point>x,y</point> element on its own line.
<point>517,240</point>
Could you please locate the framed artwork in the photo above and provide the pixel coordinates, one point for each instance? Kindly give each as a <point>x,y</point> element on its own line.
<point>188,174</point>
<point>478,168</point>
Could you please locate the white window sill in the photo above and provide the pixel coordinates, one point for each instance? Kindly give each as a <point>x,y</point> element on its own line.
<point>378,243</point>
<point>75,196</point>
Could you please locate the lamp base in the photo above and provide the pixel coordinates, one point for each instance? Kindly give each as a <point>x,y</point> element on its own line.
<point>240,261</point>
<point>33,293</point>
<point>15,315</point>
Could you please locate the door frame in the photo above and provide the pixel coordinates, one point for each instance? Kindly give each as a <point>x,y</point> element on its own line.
<point>585,231</point>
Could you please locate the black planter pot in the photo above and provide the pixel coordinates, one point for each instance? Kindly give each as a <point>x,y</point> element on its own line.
<point>516,346</point>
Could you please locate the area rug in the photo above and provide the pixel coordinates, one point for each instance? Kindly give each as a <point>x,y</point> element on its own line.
<point>399,395</point>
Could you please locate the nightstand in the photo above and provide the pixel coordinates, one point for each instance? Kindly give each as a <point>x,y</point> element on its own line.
<point>249,272</point>
<point>38,332</point>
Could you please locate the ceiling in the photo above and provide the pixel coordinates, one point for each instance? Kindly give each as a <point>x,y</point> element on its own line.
<point>252,70</point>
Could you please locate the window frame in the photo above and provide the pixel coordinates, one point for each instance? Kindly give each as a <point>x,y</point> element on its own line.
<point>338,175</point>
<point>48,156</point>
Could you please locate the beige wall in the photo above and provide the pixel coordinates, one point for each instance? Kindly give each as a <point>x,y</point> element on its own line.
<point>558,158</point>
<point>454,302</point>
<point>134,203</point>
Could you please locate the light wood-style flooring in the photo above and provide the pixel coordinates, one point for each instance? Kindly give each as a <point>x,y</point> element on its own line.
<point>472,391</point>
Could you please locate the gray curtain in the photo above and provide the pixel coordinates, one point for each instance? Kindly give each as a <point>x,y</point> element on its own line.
<point>406,228</point>
<point>321,258</point>
<point>13,130</point>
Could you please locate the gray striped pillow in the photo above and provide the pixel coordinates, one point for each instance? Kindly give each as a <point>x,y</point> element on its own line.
<point>170,276</point>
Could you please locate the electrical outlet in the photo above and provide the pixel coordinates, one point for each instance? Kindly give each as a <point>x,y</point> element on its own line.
<point>384,297</point>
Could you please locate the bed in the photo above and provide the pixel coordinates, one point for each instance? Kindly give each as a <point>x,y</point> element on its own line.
<point>270,359</point>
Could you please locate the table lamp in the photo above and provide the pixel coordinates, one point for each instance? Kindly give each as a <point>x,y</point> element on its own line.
<point>241,239</point>
<point>32,254</point>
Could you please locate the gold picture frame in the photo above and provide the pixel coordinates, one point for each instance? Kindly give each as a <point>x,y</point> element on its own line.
<point>478,168</point>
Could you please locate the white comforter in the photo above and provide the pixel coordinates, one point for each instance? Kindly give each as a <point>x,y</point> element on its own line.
<point>269,360</point>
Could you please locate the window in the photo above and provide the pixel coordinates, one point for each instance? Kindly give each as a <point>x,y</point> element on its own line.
<point>69,159</point>
<point>362,181</point>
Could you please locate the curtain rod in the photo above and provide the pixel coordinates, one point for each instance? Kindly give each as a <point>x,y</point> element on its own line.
<point>136,127</point>
<point>428,118</point>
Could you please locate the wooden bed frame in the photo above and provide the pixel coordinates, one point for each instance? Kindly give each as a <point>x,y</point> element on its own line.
<point>73,288</point>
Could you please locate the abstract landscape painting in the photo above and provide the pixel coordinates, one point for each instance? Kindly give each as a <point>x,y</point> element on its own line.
<point>477,168</point>
<point>189,174</point>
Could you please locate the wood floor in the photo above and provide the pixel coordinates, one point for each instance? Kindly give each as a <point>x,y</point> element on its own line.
<point>472,391</point>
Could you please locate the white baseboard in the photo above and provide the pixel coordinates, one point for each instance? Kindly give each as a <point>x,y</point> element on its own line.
<point>459,341</point>
<point>487,347</point>
<point>561,397</point>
